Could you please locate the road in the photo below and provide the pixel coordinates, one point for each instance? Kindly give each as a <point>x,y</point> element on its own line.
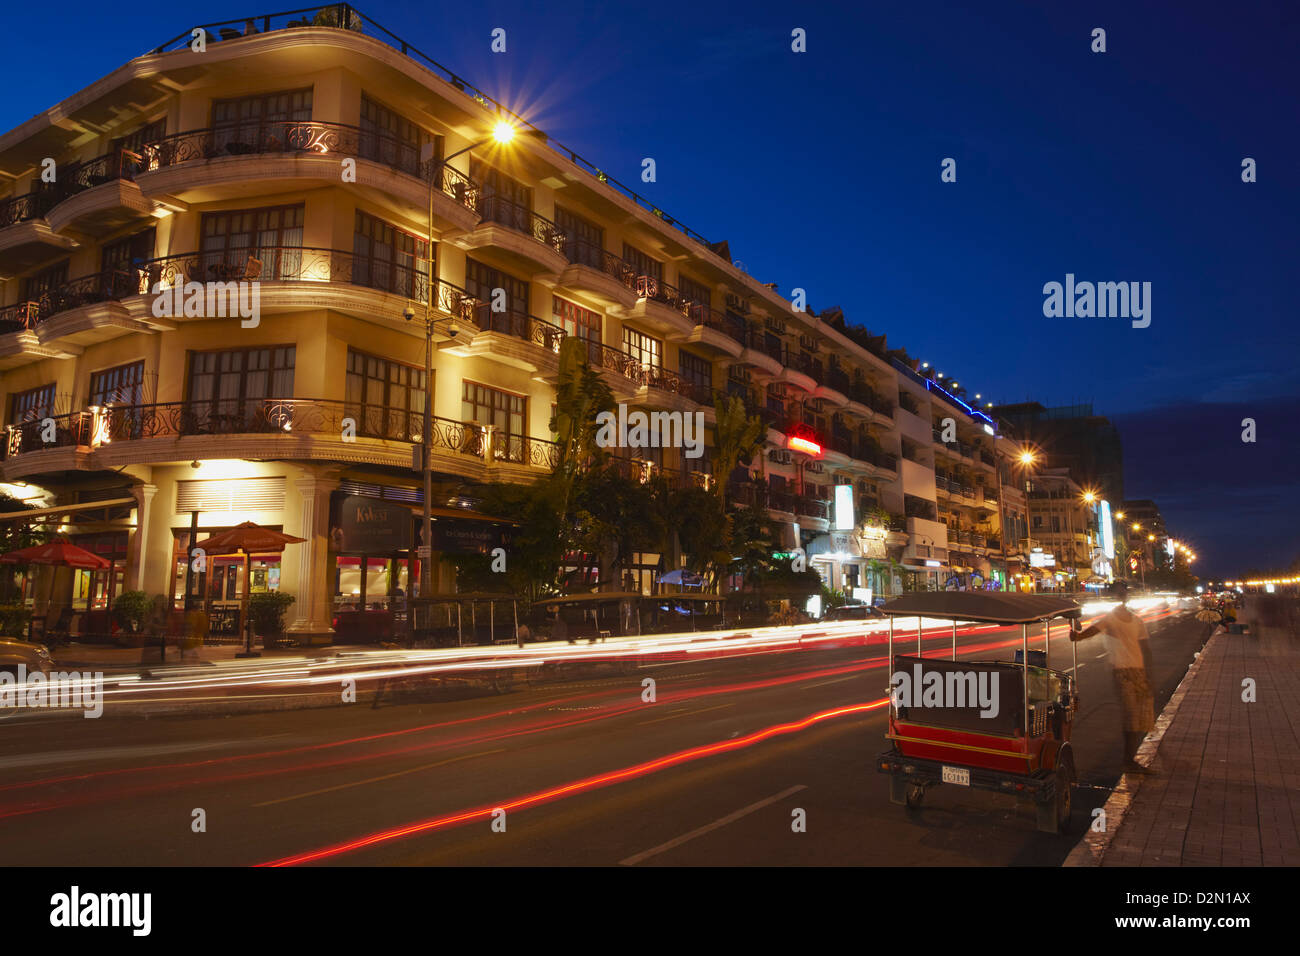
<point>715,770</point>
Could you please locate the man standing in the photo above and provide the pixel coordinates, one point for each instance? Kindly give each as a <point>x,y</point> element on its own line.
<point>1126,641</point>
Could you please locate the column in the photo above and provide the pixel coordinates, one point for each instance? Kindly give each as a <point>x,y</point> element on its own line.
<point>311,612</point>
<point>144,507</point>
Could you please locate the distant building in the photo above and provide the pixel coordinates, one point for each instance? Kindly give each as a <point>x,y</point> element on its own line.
<point>1073,437</point>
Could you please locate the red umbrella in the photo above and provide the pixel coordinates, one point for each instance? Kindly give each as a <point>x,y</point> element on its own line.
<point>56,552</point>
<point>249,538</point>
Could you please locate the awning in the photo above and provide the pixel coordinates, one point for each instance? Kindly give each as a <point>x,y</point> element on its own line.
<point>65,509</point>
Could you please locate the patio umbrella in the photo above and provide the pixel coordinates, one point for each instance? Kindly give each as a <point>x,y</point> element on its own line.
<point>248,537</point>
<point>62,553</point>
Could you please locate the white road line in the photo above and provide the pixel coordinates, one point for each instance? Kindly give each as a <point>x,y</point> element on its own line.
<point>834,680</point>
<point>710,827</point>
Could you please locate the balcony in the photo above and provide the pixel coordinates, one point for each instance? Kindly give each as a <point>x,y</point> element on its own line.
<point>511,235</point>
<point>660,387</point>
<point>801,371</point>
<point>713,331</point>
<point>100,196</point>
<point>270,427</point>
<point>762,352</point>
<point>516,339</point>
<point>662,308</point>
<point>247,159</point>
<point>26,238</point>
<point>599,275</point>
<point>295,277</point>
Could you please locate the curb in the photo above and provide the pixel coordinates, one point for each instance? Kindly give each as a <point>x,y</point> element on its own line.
<point>1092,848</point>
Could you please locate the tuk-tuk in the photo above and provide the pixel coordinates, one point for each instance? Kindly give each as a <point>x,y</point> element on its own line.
<point>1015,737</point>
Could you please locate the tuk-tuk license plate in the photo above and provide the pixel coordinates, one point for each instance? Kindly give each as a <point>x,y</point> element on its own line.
<point>957,775</point>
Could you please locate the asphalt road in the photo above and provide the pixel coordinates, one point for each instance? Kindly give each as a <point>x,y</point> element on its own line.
<point>714,771</point>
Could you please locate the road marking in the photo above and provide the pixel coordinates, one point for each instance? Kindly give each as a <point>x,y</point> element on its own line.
<point>692,713</point>
<point>387,776</point>
<point>710,827</point>
<point>835,680</point>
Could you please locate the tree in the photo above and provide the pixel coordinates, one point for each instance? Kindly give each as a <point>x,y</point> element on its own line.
<point>738,436</point>
<point>15,535</point>
<point>580,396</point>
<point>615,517</point>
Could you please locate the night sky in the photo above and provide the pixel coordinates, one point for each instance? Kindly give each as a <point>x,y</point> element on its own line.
<point>822,169</point>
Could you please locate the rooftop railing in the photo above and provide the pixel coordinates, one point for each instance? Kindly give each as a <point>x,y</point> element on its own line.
<point>344,16</point>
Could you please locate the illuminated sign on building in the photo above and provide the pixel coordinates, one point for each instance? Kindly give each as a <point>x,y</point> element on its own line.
<point>805,445</point>
<point>844,520</point>
<point>1107,532</point>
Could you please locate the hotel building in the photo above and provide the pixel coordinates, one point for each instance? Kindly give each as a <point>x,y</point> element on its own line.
<point>355,185</point>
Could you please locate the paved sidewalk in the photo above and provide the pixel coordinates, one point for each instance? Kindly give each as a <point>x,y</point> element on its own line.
<point>1227,787</point>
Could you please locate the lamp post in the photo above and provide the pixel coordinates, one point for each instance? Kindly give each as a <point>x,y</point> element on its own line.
<point>1027,459</point>
<point>502,133</point>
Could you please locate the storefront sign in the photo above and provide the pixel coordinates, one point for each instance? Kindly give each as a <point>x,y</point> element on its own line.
<point>369,525</point>
<point>458,536</point>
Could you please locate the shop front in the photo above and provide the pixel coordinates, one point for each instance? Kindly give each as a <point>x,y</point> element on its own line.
<point>373,567</point>
<point>218,581</point>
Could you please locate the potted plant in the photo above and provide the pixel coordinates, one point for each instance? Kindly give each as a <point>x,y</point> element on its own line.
<point>267,613</point>
<point>131,610</point>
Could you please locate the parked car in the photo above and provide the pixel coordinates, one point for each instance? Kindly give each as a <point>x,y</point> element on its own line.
<point>852,612</point>
<point>36,657</point>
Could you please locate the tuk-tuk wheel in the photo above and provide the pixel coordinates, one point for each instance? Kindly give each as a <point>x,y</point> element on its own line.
<point>1054,814</point>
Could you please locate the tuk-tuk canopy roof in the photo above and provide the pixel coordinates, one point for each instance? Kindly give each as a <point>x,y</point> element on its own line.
<point>596,597</point>
<point>988,607</point>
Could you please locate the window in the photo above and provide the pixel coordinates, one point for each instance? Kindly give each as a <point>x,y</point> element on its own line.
<point>237,383</point>
<point>696,369</point>
<point>149,133</point>
<point>387,258</point>
<point>584,241</point>
<point>642,348</point>
<point>42,283</point>
<point>575,320</point>
<point>249,121</point>
<point>385,398</point>
<point>504,411</point>
<point>642,264</point>
<point>125,254</point>
<point>32,404</point>
<point>121,385</point>
<point>481,279</point>
<point>273,236</point>
<point>695,291</point>
<point>505,200</point>
<point>390,138</point>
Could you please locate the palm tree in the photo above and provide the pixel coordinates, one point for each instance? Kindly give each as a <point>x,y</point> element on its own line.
<point>738,436</point>
<point>580,395</point>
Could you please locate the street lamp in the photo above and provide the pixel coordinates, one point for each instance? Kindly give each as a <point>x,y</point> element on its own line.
<point>503,133</point>
<point>1027,459</point>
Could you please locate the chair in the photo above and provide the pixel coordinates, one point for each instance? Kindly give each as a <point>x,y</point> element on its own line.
<point>252,269</point>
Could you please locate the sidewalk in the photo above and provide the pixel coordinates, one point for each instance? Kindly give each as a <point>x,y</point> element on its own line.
<point>1227,788</point>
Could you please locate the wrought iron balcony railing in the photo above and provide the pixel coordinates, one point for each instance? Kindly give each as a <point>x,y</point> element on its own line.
<point>273,416</point>
<point>520,218</point>
<point>293,137</point>
<point>589,254</point>
<point>26,207</point>
<point>264,264</point>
